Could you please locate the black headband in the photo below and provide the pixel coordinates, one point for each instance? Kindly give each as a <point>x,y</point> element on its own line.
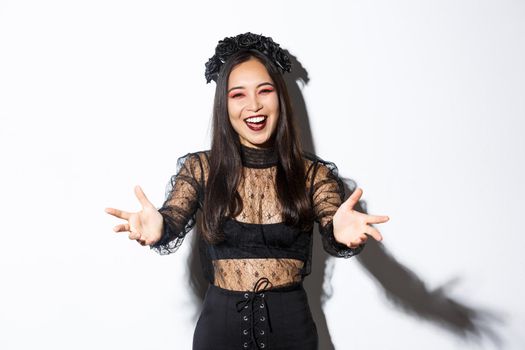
<point>247,41</point>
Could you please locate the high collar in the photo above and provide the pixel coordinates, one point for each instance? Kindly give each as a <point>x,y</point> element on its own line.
<point>258,157</point>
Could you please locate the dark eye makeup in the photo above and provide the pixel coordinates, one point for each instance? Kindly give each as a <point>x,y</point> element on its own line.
<point>262,91</point>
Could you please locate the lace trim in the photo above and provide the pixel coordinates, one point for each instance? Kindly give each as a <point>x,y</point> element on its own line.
<point>334,248</point>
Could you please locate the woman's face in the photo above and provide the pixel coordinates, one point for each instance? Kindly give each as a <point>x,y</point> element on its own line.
<point>253,104</point>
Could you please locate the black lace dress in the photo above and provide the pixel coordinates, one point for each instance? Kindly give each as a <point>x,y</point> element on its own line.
<point>256,298</point>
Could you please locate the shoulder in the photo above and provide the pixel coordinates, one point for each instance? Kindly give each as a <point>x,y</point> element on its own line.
<point>192,163</point>
<point>322,174</point>
<point>194,158</point>
<point>316,166</point>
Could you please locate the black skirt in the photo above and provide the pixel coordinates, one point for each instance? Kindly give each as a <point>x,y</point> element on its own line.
<point>275,319</point>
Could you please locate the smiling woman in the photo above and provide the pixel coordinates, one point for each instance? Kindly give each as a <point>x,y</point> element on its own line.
<point>260,195</point>
<point>253,104</point>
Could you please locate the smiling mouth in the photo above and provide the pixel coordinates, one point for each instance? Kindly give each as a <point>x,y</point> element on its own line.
<point>256,123</point>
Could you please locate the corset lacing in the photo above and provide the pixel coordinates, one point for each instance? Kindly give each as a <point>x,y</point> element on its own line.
<point>257,313</point>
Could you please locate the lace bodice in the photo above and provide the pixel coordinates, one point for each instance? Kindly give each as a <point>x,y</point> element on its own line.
<point>258,243</point>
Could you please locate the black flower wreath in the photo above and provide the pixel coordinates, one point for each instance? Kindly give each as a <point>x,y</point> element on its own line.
<point>230,45</point>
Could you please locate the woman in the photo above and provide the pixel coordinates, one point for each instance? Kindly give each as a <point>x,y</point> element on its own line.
<point>259,195</point>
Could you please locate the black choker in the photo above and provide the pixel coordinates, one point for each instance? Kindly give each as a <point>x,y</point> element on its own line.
<point>258,157</point>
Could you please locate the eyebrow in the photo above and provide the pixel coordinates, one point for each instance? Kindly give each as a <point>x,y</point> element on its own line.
<point>242,87</point>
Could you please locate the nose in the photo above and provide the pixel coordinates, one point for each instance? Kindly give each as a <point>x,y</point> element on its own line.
<point>254,104</point>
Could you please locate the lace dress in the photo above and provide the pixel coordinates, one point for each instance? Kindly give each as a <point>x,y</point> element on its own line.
<point>258,247</point>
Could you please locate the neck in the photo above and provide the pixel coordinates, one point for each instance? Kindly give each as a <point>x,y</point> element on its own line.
<point>258,157</point>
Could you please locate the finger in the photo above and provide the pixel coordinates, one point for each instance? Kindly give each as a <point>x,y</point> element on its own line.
<point>354,198</point>
<point>142,197</point>
<point>121,214</point>
<point>134,235</point>
<point>375,234</point>
<point>356,241</point>
<point>121,228</point>
<point>376,219</point>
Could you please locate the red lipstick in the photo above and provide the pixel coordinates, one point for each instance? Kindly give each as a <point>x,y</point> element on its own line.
<point>258,125</point>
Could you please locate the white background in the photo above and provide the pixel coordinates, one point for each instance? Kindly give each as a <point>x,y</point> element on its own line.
<point>420,103</point>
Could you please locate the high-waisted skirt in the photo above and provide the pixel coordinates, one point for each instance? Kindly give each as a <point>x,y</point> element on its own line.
<point>275,319</point>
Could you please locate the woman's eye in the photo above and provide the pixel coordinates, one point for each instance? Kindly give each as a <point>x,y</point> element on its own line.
<point>236,95</point>
<point>266,90</point>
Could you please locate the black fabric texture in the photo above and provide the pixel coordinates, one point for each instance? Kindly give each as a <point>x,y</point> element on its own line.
<point>258,244</point>
<point>275,319</point>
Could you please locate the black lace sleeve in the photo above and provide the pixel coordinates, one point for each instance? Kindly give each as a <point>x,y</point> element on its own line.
<point>183,197</point>
<point>328,193</point>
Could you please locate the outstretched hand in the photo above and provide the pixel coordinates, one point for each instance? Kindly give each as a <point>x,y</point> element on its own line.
<point>352,227</point>
<point>144,226</point>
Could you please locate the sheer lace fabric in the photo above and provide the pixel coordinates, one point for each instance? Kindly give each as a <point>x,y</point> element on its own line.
<point>258,244</point>
<point>183,196</point>
<point>260,204</point>
<point>242,274</point>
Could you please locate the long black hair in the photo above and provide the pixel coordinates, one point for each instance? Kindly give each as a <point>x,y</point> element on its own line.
<point>221,198</point>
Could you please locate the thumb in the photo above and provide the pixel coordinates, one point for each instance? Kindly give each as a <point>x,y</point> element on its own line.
<point>353,199</point>
<point>142,197</point>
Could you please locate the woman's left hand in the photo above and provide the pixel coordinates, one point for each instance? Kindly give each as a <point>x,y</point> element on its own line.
<point>351,227</point>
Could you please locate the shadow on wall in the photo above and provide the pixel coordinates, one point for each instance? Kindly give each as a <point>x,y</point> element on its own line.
<point>401,286</point>
<point>408,292</point>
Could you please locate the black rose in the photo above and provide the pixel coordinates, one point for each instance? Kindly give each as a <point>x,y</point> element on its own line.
<point>261,46</point>
<point>226,48</point>
<point>247,40</point>
<point>212,69</point>
<point>282,60</point>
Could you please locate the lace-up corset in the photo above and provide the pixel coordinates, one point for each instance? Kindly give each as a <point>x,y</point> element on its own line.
<point>257,242</point>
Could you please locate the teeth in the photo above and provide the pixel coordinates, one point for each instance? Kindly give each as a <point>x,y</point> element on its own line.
<point>255,119</point>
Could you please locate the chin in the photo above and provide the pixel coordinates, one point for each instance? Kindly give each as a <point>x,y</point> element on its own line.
<point>265,143</point>
<point>254,143</point>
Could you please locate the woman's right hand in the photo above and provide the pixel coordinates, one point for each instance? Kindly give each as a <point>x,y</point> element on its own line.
<point>145,226</point>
